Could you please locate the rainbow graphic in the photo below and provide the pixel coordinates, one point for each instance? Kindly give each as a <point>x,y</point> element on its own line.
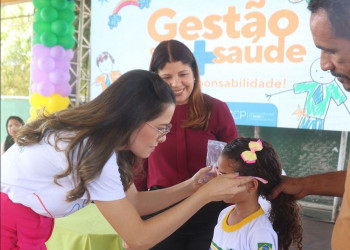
<point>115,18</point>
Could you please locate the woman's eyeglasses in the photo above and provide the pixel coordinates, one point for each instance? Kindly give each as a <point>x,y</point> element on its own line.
<point>161,131</point>
<point>263,181</point>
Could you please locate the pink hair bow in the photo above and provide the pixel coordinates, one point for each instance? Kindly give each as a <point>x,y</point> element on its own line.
<point>250,156</point>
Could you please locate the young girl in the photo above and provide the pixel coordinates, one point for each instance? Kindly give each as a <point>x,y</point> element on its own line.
<point>245,225</point>
<point>64,160</point>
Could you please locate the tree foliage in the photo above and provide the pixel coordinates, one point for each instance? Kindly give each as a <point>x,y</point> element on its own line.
<point>16,43</point>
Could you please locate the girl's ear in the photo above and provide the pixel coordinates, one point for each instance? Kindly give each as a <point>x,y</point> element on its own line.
<point>253,185</point>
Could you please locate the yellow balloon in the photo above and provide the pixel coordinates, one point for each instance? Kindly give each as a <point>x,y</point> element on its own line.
<point>32,112</point>
<point>50,104</point>
<point>38,101</point>
<point>34,99</point>
<point>56,103</point>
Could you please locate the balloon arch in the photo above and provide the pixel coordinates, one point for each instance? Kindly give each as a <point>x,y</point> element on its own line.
<point>51,55</point>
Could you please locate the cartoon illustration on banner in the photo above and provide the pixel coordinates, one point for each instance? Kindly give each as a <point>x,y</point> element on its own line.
<point>105,63</point>
<point>320,92</point>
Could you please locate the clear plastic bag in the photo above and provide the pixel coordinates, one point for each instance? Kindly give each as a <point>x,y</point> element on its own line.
<point>214,150</point>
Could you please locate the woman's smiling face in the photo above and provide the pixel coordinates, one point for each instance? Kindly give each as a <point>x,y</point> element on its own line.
<point>180,78</point>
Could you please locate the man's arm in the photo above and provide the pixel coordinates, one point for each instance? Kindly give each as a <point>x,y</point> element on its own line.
<point>330,184</point>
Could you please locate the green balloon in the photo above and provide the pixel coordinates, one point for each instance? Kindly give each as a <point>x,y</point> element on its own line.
<point>71,29</point>
<point>49,14</point>
<point>59,27</point>
<point>38,4</point>
<point>36,39</point>
<point>66,15</point>
<point>59,4</point>
<point>41,26</point>
<point>48,39</point>
<point>66,42</point>
<point>71,5</point>
<point>37,16</point>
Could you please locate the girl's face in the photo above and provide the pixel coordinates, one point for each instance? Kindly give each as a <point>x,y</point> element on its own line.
<point>145,139</point>
<point>227,166</point>
<point>180,78</point>
<point>12,127</point>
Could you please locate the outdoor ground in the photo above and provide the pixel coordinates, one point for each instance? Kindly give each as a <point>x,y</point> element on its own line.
<point>317,229</point>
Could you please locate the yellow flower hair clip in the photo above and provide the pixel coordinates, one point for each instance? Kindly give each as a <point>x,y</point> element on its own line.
<point>250,156</point>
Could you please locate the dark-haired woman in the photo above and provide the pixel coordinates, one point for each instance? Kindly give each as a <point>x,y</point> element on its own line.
<point>63,161</point>
<point>13,123</point>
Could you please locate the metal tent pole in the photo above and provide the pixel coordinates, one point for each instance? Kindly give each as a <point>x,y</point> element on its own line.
<point>341,166</point>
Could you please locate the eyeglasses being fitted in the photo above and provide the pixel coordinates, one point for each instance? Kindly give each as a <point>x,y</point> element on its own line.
<point>254,177</point>
<point>161,131</point>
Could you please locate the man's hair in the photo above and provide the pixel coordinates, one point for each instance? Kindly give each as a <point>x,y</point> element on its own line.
<point>338,12</point>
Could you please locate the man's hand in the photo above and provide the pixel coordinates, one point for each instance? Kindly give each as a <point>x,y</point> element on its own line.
<point>289,185</point>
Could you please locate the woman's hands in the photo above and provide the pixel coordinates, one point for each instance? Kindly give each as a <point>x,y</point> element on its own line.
<point>203,176</point>
<point>224,186</point>
<point>218,188</point>
<point>139,234</point>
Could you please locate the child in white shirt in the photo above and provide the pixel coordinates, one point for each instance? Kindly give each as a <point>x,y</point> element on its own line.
<point>245,225</point>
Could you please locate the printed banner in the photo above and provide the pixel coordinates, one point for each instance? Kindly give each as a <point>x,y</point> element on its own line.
<point>257,56</point>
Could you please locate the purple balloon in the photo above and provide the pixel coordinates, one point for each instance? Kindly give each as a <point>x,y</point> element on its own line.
<point>69,54</point>
<point>63,64</point>
<point>38,75</point>
<point>46,63</point>
<point>63,89</point>
<point>35,88</point>
<point>34,64</point>
<point>46,88</point>
<point>58,52</point>
<point>59,76</point>
<point>39,50</point>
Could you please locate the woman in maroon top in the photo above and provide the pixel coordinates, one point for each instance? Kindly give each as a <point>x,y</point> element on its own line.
<point>197,119</point>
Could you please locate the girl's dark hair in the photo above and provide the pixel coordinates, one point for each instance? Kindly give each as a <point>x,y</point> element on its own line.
<point>174,51</point>
<point>9,141</point>
<point>101,126</point>
<point>338,12</point>
<point>285,212</point>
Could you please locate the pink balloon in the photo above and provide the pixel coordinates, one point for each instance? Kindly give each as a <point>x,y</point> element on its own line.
<point>58,52</point>
<point>39,50</point>
<point>46,63</point>
<point>63,89</point>
<point>59,76</point>
<point>46,88</point>
<point>38,75</point>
